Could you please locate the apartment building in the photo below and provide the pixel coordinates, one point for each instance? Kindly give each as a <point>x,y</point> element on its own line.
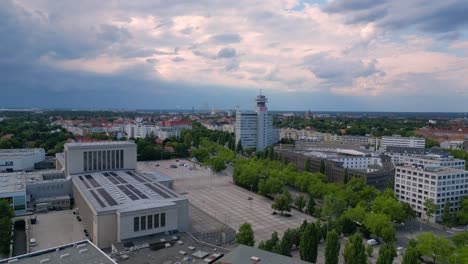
<point>399,141</point>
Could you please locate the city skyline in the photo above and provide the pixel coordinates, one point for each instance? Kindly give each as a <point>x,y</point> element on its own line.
<point>319,55</point>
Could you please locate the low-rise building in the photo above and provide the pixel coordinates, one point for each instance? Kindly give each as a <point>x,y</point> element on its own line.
<point>13,190</point>
<point>75,253</point>
<point>20,159</point>
<point>452,144</point>
<point>399,141</point>
<point>399,154</point>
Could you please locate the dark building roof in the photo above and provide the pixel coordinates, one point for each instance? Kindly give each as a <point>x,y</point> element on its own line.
<point>422,151</point>
<point>242,254</point>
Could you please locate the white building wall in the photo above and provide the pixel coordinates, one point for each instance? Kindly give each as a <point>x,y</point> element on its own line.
<point>20,159</point>
<point>74,156</point>
<point>398,141</point>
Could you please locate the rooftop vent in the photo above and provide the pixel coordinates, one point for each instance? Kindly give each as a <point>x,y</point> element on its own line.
<point>44,261</point>
<point>256,259</point>
<point>83,251</point>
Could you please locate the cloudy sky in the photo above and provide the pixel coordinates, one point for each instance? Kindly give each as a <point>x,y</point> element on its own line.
<point>353,55</point>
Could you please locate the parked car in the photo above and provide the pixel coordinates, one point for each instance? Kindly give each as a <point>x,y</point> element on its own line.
<point>372,242</point>
<point>32,242</point>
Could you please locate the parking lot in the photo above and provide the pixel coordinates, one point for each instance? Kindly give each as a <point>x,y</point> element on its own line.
<point>55,228</point>
<point>220,198</point>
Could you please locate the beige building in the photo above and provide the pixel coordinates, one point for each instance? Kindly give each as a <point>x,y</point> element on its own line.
<point>116,202</point>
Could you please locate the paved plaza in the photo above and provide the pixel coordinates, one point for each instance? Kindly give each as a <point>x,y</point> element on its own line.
<point>220,198</point>
<point>55,228</point>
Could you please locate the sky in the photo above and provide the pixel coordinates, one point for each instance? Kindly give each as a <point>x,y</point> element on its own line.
<point>353,55</point>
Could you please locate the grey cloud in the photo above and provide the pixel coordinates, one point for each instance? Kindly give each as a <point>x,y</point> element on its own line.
<point>113,33</point>
<point>427,16</point>
<point>226,53</point>
<point>178,59</point>
<point>339,71</point>
<point>351,5</point>
<point>232,66</point>
<point>204,54</point>
<point>226,38</point>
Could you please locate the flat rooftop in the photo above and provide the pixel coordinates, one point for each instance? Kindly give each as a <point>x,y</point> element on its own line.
<point>12,182</point>
<point>100,143</point>
<point>24,151</point>
<point>123,190</point>
<point>433,169</point>
<point>75,253</point>
<point>242,254</point>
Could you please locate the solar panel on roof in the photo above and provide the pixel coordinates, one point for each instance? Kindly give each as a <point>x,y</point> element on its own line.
<point>135,176</point>
<point>112,179</point>
<point>120,179</point>
<point>97,198</point>
<point>157,190</point>
<point>84,182</point>
<point>128,192</point>
<point>138,192</point>
<point>107,197</point>
<point>92,181</point>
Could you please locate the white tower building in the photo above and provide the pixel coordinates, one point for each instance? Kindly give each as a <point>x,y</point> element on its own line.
<point>255,129</point>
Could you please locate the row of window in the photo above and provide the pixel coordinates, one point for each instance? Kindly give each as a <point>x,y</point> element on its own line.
<point>103,160</point>
<point>147,222</point>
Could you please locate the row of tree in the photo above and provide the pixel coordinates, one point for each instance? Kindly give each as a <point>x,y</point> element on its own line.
<point>6,214</point>
<point>308,236</point>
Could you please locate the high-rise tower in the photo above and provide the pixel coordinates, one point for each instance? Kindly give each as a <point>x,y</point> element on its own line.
<point>255,129</point>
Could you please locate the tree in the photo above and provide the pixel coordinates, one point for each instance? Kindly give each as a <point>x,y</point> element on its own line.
<point>6,214</point>
<point>300,202</point>
<point>461,239</point>
<point>309,243</point>
<point>322,166</point>
<point>462,214</point>
<point>369,250</point>
<point>310,206</point>
<point>332,248</point>
<point>239,147</point>
<point>386,254</point>
<point>433,246</point>
<point>411,255</point>
<point>281,203</point>
<point>354,251</point>
<point>333,206</point>
<point>431,208</point>
<point>381,226</point>
<point>271,244</point>
<point>346,176</point>
<point>389,206</point>
<point>286,243</point>
<point>446,216</point>
<point>245,235</point>
<point>307,165</point>
<point>217,164</point>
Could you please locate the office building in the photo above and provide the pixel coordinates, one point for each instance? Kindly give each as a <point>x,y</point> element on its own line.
<point>255,129</point>
<point>20,159</point>
<point>80,252</point>
<point>399,141</point>
<point>436,160</point>
<point>416,183</point>
<point>116,202</point>
<point>399,154</point>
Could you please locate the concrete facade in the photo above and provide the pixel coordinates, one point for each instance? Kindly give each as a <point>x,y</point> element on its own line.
<point>417,183</point>
<point>98,156</point>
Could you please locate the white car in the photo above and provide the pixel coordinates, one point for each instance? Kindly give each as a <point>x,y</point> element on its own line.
<point>372,242</point>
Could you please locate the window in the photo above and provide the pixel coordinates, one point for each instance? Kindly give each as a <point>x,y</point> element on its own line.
<point>136,224</point>
<point>163,219</point>
<point>143,223</point>
<point>156,220</point>
<point>121,159</point>
<point>95,165</point>
<point>99,160</point>
<point>150,221</point>
<point>113,159</point>
<point>85,161</point>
